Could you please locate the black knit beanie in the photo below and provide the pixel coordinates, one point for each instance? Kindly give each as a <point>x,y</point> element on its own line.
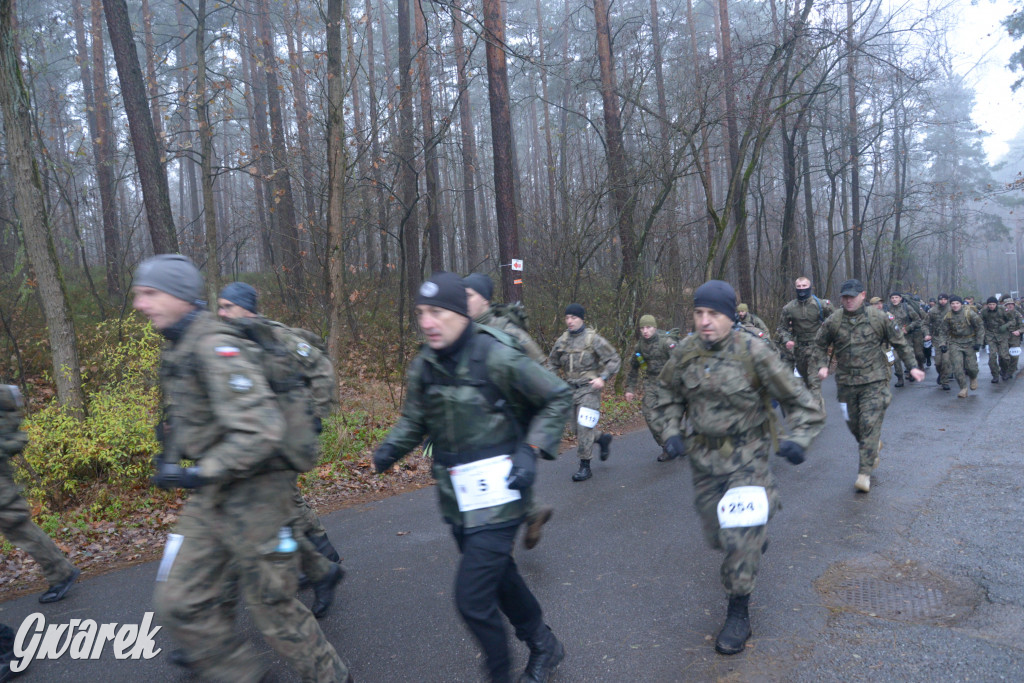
<point>444,290</point>
<point>718,296</point>
<point>480,283</point>
<point>576,310</point>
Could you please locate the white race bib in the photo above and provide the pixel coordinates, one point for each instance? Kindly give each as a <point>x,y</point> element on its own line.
<point>1014,350</point>
<point>482,484</point>
<point>796,373</point>
<point>977,356</point>
<point>588,417</point>
<point>743,506</point>
<point>846,411</point>
<point>891,355</point>
<point>171,549</point>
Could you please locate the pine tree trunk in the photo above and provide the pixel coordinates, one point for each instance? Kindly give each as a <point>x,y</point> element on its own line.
<point>409,229</point>
<point>429,143</point>
<point>474,257</point>
<point>206,156</point>
<point>35,227</point>
<point>155,194</point>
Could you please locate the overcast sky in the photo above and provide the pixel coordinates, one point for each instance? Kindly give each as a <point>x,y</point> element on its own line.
<point>981,40</point>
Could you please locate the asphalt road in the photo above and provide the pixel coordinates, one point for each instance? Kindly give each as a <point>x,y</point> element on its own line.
<point>920,580</point>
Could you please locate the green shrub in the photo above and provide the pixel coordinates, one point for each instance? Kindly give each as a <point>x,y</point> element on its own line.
<point>115,442</point>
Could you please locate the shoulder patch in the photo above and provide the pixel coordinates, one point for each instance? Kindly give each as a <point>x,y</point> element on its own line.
<point>890,316</point>
<point>240,383</point>
<point>226,351</point>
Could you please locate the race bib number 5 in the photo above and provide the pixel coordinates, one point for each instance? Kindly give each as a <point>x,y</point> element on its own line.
<point>481,484</point>
<point>743,506</point>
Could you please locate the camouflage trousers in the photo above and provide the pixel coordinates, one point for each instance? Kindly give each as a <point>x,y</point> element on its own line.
<point>647,405</point>
<point>308,530</point>
<point>230,537</point>
<point>802,355</point>
<point>1011,364</point>
<point>743,546</point>
<point>998,356</point>
<point>963,361</point>
<point>916,338</point>
<point>17,526</point>
<point>943,365</point>
<point>864,409</point>
<point>585,397</point>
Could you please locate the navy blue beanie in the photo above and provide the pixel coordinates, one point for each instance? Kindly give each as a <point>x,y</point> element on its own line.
<point>718,296</point>
<point>481,284</point>
<point>240,294</point>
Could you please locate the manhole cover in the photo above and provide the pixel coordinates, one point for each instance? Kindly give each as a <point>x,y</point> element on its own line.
<point>900,591</point>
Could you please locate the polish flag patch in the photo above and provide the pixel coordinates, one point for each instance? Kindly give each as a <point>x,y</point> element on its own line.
<point>226,351</point>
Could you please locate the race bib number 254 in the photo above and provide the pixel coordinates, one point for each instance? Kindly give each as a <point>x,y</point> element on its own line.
<point>743,506</point>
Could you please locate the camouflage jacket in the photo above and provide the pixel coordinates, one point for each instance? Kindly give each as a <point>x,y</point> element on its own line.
<point>859,341</point>
<point>753,320</point>
<point>464,424</point>
<point>961,328</point>
<point>935,315</point>
<point>12,439</point>
<point>319,369</point>
<point>909,320</point>
<point>800,320</point>
<point>651,353</point>
<point>997,323</point>
<point>725,390</point>
<point>500,322</point>
<point>583,356</point>
<point>1016,323</point>
<point>218,409</point>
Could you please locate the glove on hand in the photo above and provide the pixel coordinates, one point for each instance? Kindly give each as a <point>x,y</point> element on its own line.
<point>171,476</point>
<point>384,457</point>
<point>675,446</point>
<point>943,348</point>
<point>793,452</point>
<point>977,347</point>
<point>524,468</point>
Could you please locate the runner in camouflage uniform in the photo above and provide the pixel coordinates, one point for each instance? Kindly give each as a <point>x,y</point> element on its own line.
<point>317,556</point>
<point>722,380</point>
<point>587,361</point>
<point>799,323</point>
<point>235,529</point>
<point>997,336</point>
<point>858,335</point>
<point>910,322</point>
<point>16,516</point>
<point>961,333</point>
<point>1014,331</point>
<point>652,352</point>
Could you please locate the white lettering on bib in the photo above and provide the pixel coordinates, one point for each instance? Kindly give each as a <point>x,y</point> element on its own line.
<point>588,417</point>
<point>846,411</point>
<point>743,506</point>
<point>482,484</point>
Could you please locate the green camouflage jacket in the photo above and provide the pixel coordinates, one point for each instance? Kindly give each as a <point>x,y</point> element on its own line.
<point>1016,323</point>
<point>464,424</point>
<point>800,320</point>
<point>218,409</point>
<point>997,323</point>
<point>961,328</point>
<point>724,390</point>
<point>935,315</point>
<point>909,320</point>
<point>652,353</point>
<point>582,357</point>
<point>753,320</point>
<point>859,341</point>
<point>500,322</point>
<point>319,369</point>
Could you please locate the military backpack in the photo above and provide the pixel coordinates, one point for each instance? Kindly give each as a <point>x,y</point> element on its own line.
<point>515,312</point>
<point>287,378</point>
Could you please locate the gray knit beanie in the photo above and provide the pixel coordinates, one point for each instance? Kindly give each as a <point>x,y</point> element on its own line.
<point>174,274</point>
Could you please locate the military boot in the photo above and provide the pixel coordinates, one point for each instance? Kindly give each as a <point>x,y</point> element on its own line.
<point>736,631</point>
<point>583,473</point>
<point>899,382</point>
<point>323,590</point>
<point>534,524</point>
<point>545,654</point>
<point>995,380</point>
<point>604,442</point>
<point>863,483</point>
<point>974,384</point>
<point>323,546</point>
<point>962,393</point>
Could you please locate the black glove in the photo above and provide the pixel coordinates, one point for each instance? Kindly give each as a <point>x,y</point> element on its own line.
<point>524,468</point>
<point>318,424</point>
<point>384,457</point>
<point>171,476</point>
<point>977,347</point>
<point>793,452</point>
<point>943,348</point>
<point>675,446</point>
